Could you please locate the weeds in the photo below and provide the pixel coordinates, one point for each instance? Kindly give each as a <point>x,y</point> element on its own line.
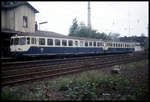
<point>10,94</point>
<point>91,85</point>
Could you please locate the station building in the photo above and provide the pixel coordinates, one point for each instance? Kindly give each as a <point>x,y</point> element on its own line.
<point>16,18</point>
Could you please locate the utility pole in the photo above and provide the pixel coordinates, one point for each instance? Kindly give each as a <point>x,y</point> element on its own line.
<point>89,17</point>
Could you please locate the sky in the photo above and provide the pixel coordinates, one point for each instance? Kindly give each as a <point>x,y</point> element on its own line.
<point>125,18</point>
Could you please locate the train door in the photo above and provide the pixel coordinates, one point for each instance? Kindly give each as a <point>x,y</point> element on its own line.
<point>105,46</point>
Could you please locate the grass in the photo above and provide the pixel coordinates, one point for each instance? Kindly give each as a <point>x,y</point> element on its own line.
<point>10,94</point>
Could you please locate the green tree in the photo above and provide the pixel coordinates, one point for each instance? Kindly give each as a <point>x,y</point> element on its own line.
<point>114,36</point>
<point>82,30</point>
<point>104,36</point>
<point>73,28</point>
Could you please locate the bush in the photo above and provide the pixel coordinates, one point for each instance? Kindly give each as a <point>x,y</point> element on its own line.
<point>88,85</point>
<point>63,83</point>
<point>10,94</point>
<point>81,90</point>
<point>92,85</point>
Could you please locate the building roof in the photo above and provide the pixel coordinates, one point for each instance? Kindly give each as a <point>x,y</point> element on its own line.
<point>14,4</point>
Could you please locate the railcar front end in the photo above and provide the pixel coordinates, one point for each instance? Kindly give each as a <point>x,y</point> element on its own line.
<point>19,45</point>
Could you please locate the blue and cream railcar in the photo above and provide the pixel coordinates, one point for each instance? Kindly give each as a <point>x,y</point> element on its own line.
<point>119,47</point>
<point>38,45</point>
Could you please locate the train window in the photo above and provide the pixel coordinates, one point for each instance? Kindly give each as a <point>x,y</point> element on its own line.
<point>90,43</point>
<point>70,43</point>
<point>16,41</point>
<point>81,43</point>
<point>22,41</point>
<point>102,43</point>
<point>28,40</point>
<point>127,45</point>
<point>33,40</point>
<point>57,42</point>
<point>98,44</point>
<point>86,44</point>
<point>107,44</point>
<point>110,44</point>
<point>41,41</point>
<point>114,44</point>
<point>119,45</point>
<point>64,42</point>
<point>76,43</point>
<point>49,41</point>
<point>94,43</point>
<point>122,45</point>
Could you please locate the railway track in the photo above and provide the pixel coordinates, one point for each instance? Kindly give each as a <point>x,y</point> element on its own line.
<point>47,70</point>
<point>14,61</point>
<point>27,64</point>
<point>12,65</point>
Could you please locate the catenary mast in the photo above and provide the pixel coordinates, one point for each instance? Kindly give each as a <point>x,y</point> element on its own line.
<point>89,17</point>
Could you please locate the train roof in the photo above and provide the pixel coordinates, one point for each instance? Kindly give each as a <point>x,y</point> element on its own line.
<point>40,33</point>
<point>53,34</point>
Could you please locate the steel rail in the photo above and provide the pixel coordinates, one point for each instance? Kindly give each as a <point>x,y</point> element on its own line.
<point>55,60</point>
<point>23,70</point>
<point>67,69</point>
